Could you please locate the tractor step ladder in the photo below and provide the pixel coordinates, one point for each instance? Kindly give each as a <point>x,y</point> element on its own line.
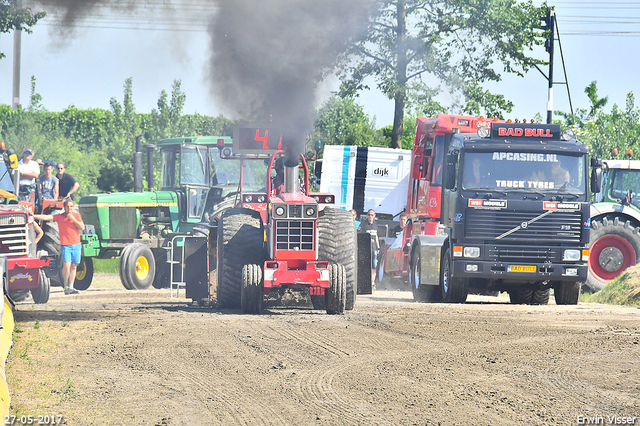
<point>175,256</point>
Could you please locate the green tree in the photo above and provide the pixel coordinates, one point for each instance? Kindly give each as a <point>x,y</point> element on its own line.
<point>35,99</point>
<point>12,17</point>
<point>342,121</point>
<point>602,131</point>
<point>412,44</point>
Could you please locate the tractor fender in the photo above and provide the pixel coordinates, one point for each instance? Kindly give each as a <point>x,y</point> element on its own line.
<point>431,248</point>
<point>624,212</point>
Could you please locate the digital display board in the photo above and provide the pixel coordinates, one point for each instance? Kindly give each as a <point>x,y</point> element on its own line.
<point>257,140</point>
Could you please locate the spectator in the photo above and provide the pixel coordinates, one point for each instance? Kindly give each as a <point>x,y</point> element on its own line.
<point>371,228</point>
<point>69,224</point>
<point>398,230</point>
<point>355,217</point>
<point>29,171</point>
<point>68,185</point>
<point>49,183</point>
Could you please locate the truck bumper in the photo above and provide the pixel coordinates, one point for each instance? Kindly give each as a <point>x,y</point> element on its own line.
<point>469,268</point>
<point>278,274</point>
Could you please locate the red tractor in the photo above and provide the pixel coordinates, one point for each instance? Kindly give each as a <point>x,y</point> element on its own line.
<point>279,239</point>
<point>24,267</point>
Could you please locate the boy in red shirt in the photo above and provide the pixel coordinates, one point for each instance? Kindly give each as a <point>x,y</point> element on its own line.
<point>69,224</point>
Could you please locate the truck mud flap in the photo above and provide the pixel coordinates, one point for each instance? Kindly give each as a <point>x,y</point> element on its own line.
<point>196,264</point>
<point>364,264</point>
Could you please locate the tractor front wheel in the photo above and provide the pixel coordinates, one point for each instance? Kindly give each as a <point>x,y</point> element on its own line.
<point>41,293</point>
<point>336,294</point>
<point>251,299</point>
<point>84,274</point>
<point>139,267</point>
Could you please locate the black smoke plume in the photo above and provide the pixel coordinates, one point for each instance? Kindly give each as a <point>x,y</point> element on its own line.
<point>267,57</point>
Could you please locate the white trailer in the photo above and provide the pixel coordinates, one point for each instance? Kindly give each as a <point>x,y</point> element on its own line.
<point>364,178</point>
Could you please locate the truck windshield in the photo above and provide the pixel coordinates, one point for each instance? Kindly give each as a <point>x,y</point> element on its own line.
<point>530,171</point>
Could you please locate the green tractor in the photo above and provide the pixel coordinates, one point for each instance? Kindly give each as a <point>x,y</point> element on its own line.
<point>196,186</point>
<point>615,222</point>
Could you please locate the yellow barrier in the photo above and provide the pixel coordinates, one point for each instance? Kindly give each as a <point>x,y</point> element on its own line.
<point>6,340</point>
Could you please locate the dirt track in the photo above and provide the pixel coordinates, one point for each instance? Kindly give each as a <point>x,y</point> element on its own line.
<point>141,358</point>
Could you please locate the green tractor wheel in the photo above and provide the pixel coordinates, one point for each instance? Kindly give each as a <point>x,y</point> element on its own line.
<point>84,274</point>
<point>139,266</point>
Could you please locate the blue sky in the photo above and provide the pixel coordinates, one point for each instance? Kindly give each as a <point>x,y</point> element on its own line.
<point>599,42</point>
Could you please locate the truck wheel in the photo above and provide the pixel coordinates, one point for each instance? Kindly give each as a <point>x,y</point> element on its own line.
<point>240,242</point>
<point>140,266</point>
<point>336,293</point>
<point>567,292</point>
<point>50,242</point>
<point>614,246</point>
<point>421,292</point>
<point>337,244</point>
<point>122,267</point>
<point>520,296</point>
<point>251,298</point>
<point>41,293</point>
<point>454,290</point>
<point>540,296</point>
<point>84,274</point>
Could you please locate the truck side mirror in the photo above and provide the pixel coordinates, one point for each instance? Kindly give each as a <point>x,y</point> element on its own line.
<point>596,180</point>
<point>450,177</point>
<point>317,171</point>
<point>596,175</point>
<point>416,173</point>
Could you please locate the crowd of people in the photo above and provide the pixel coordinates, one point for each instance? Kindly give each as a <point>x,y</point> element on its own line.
<point>61,186</point>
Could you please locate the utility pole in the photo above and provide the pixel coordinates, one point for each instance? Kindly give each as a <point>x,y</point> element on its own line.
<point>17,47</point>
<point>549,24</point>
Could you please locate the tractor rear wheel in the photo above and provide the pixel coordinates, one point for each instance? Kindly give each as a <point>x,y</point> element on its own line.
<point>614,246</point>
<point>336,293</point>
<point>41,293</point>
<point>337,244</point>
<point>140,266</point>
<point>240,242</point>
<point>251,298</point>
<point>84,274</point>
<point>50,242</point>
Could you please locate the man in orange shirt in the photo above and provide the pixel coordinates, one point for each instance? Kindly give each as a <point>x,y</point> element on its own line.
<point>69,224</point>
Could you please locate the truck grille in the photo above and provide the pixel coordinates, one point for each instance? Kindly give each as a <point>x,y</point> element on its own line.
<point>515,254</point>
<point>557,227</point>
<point>295,235</point>
<point>13,234</point>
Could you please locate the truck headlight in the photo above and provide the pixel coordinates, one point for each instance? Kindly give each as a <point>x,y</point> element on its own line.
<point>471,252</point>
<point>572,255</point>
<point>279,211</point>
